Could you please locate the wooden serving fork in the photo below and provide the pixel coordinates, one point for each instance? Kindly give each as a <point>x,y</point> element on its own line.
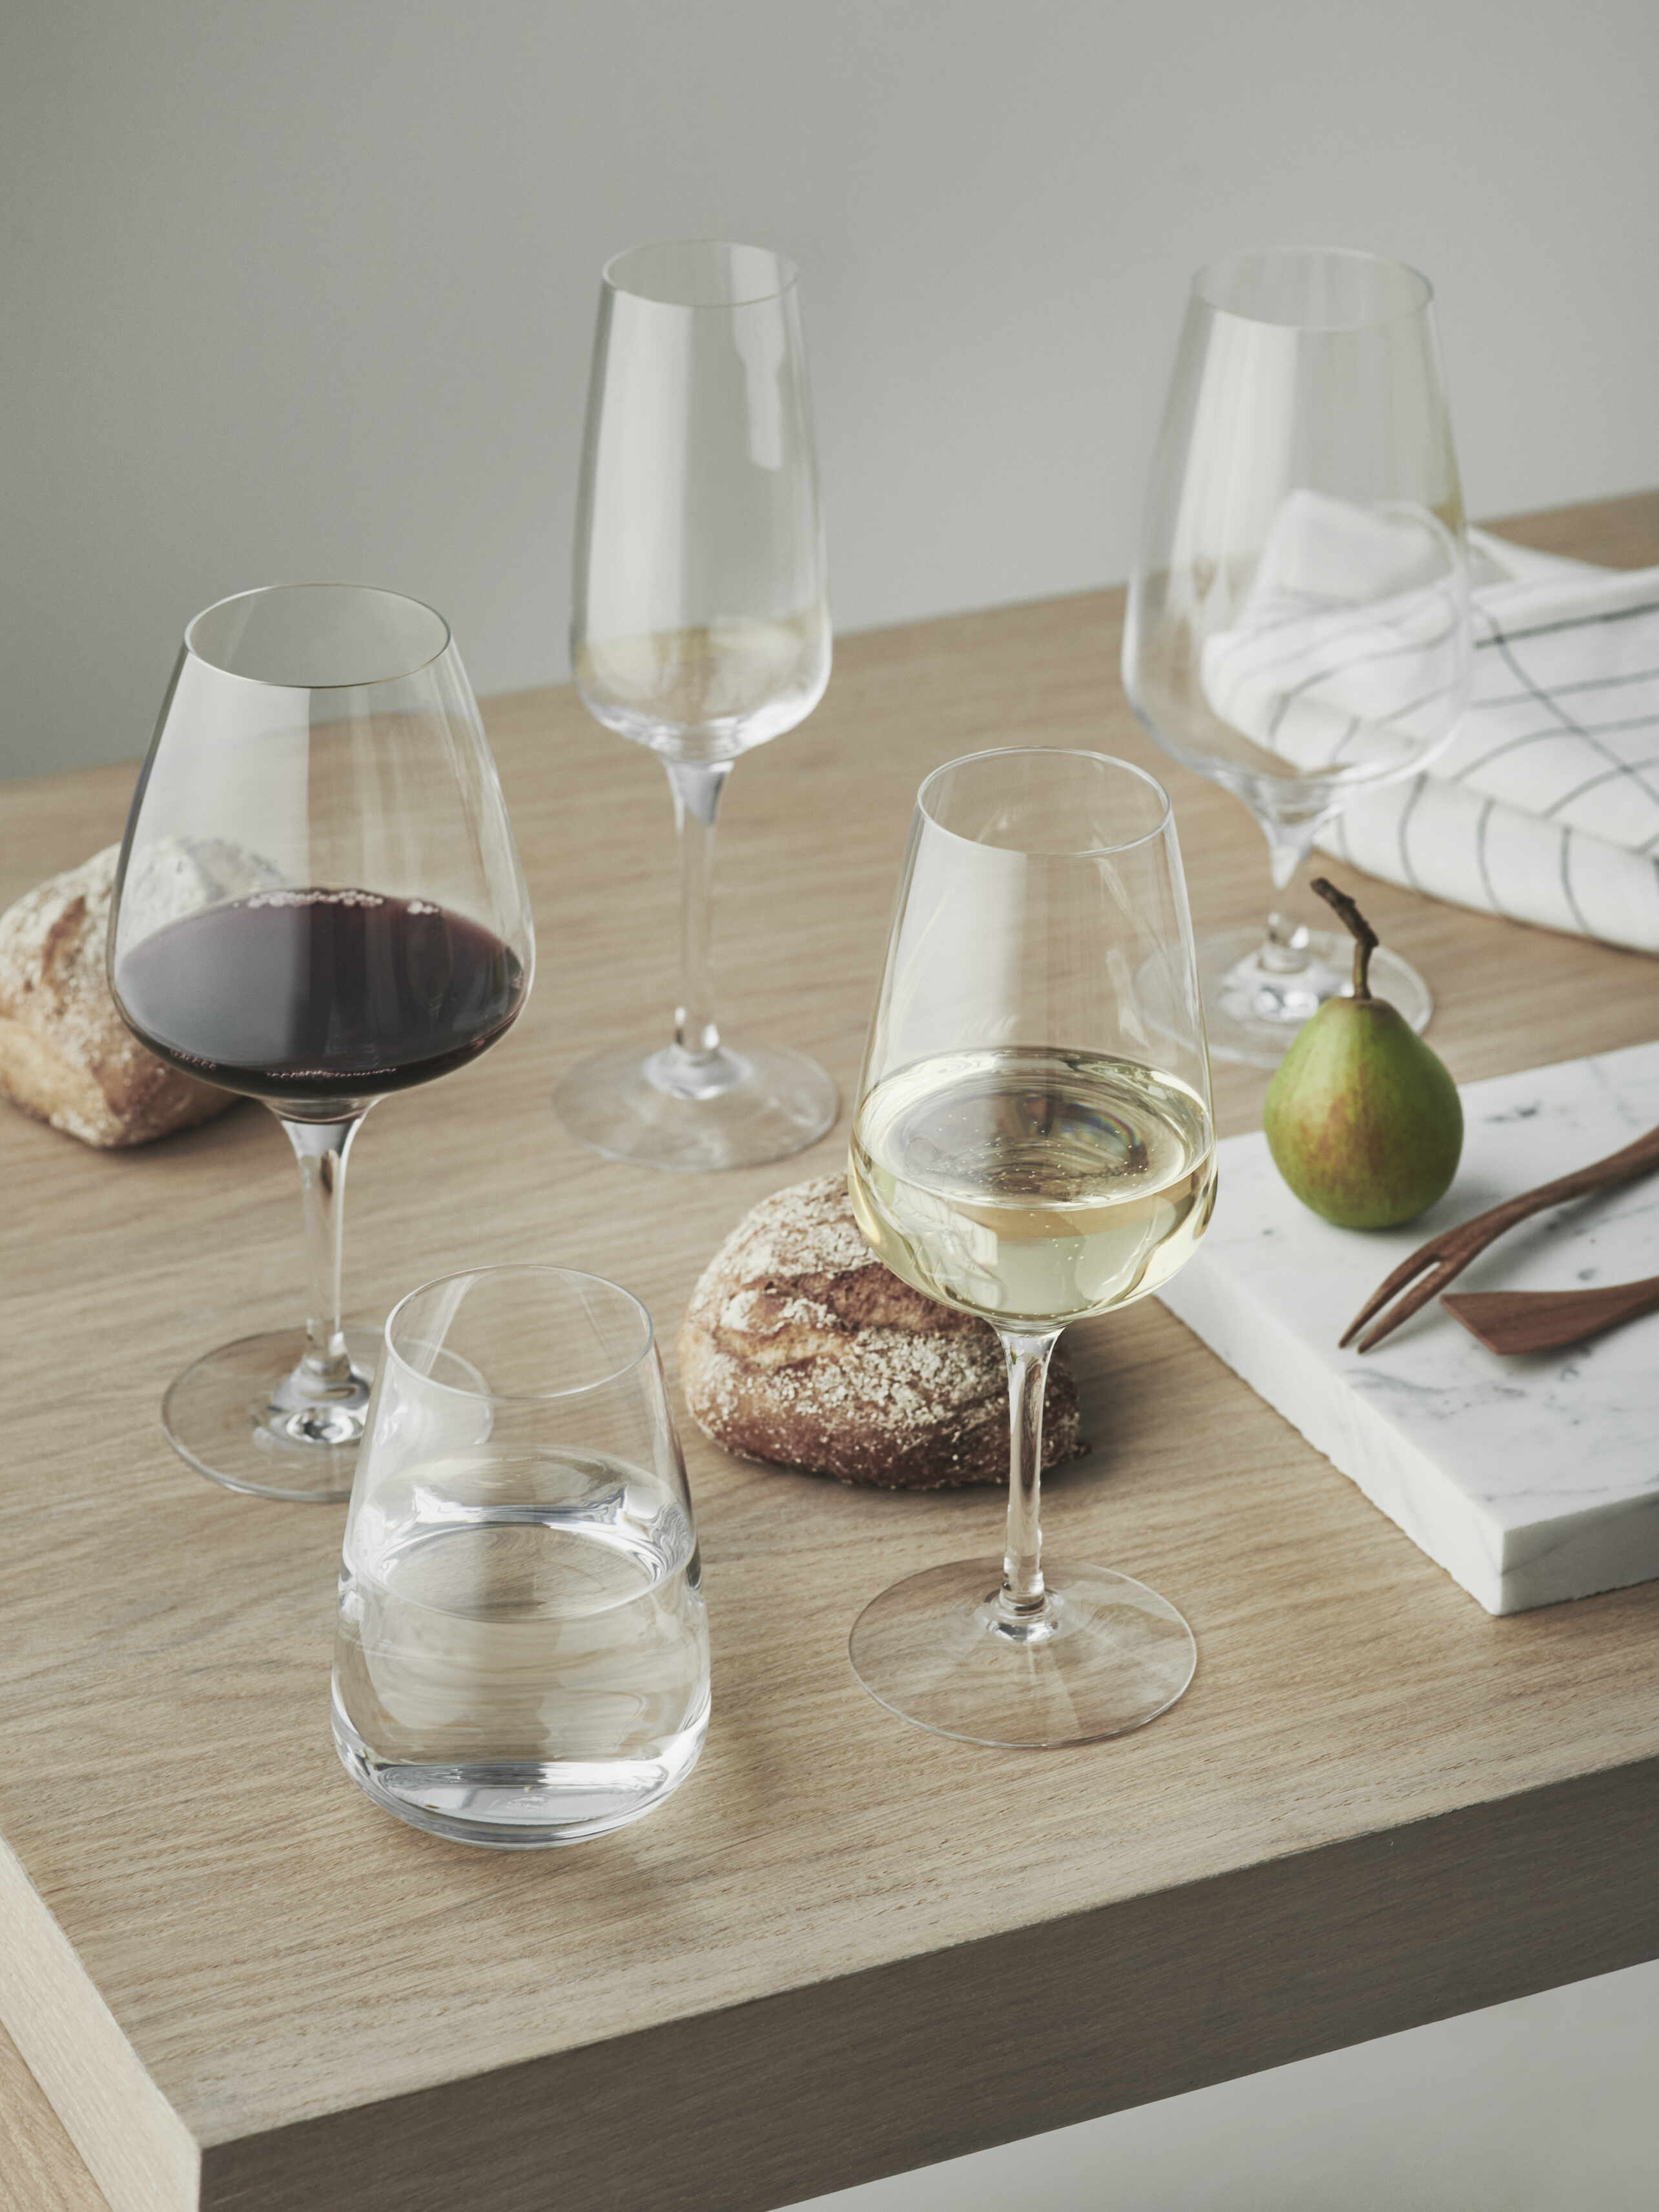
<point>1446,1256</point>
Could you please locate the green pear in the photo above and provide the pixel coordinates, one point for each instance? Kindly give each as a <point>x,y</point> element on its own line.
<point>1363,1121</point>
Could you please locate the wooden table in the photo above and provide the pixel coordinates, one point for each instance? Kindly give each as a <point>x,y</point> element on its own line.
<point>846,1948</point>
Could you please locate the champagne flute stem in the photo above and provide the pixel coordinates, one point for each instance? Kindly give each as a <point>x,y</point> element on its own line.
<point>322,1148</point>
<point>1023,1597</point>
<point>697,788</point>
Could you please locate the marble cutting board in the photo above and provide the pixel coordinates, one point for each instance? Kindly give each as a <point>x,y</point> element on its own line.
<point>1529,1479</point>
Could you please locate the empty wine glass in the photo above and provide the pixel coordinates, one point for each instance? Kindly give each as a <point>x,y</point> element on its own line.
<point>1298,623</point>
<point>318,902</point>
<point>1033,1144</point>
<point>699,627</point>
<point>522,1654</point>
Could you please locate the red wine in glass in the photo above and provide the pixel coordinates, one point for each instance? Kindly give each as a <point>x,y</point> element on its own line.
<point>318,993</point>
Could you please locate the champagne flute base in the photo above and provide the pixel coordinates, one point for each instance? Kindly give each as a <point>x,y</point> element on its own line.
<point>1252,1012</point>
<point>757,1104</point>
<point>1109,1655</point>
<point>244,1416</point>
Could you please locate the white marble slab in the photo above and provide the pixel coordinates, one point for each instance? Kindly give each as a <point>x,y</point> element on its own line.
<point>1529,1479</point>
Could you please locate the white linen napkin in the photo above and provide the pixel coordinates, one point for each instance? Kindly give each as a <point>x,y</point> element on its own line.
<point>1544,805</point>
<point>1340,639</point>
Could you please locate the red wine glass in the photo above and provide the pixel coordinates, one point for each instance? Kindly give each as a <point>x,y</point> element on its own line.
<point>318,902</point>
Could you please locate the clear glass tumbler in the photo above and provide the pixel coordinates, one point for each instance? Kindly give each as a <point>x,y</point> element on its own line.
<point>522,1653</point>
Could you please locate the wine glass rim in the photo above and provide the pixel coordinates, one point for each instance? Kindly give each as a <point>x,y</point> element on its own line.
<point>787,275</point>
<point>1206,281</point>
<point>1094,850</point>
<point>272,591</point>
<point>544,1268</point>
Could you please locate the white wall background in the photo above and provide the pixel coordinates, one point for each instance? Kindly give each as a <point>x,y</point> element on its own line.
<point>305,288</point>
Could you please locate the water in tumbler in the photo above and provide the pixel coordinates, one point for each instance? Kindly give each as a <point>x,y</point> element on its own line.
<point>534,1666</point>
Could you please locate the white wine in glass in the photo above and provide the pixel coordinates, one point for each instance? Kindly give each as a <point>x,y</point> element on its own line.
<point>1034,1144</point>
<point>1032,1186</point>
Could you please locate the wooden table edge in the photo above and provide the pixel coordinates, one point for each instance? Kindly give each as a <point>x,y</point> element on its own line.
<point>951,2051</point>
<point>135,2145</point>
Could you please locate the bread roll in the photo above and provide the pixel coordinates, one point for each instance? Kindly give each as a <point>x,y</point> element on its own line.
<point>66,1056</point>
<point>800,1348</point>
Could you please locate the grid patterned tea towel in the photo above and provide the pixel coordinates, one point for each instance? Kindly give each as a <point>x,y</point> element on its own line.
<point>1544,805</point>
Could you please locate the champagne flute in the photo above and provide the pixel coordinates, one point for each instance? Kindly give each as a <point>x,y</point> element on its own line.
<point>1298,621</point>
<point>699,627</point>
<point>1033,1144</point>
<point>318,902</point>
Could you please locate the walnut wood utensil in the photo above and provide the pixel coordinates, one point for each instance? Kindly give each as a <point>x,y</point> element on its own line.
<point>1446,1256</point>
<point>1544,1320</point>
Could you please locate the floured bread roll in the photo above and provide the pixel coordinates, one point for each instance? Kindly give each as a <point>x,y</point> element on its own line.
<point>798,1346</point>
<point>66,1056</point>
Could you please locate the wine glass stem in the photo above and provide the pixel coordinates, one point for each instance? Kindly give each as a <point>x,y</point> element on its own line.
<point>321,1148</point>
<point>1284,947</point>
<point>1023,1597</point>
<point>697,788</point>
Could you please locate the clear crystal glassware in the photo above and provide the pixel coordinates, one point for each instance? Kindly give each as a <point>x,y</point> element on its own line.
<point>699,627</point>
<point>522,1653</point>
<point>1033,1144</point>
<point>318,902</point>
<point>1298,623</point>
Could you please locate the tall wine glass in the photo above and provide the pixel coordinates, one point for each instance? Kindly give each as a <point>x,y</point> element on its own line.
<point>1033,1144</point>
<point>1298,623</point>
<point>318,902</point>
<point>699,627</point>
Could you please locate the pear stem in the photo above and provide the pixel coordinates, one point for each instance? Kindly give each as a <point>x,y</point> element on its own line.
<point>1365,937</point>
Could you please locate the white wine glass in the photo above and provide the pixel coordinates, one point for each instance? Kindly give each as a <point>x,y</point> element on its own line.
<point>699,627</point>
<point>1033,1144</point>
<point>1298,620</point>
<point>319,903</point>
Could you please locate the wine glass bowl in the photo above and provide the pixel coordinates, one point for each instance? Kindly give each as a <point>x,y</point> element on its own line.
<point>319,903</point>
<point>1297,626</point>
<point>700,628</point>
<point>1033,1144</point>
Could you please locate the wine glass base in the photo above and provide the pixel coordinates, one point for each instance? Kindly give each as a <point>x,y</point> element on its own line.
<point>1252,1014</point>
<point>658,1109</point>
<point>243,1416</point>
<point>933,1649</point>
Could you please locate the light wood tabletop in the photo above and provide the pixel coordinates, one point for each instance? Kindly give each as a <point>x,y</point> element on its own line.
<point>846,1948</point>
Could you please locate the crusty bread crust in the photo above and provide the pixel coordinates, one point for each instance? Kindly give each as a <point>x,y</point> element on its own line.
<point>800,1348</point>
<point>66,1056</point>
